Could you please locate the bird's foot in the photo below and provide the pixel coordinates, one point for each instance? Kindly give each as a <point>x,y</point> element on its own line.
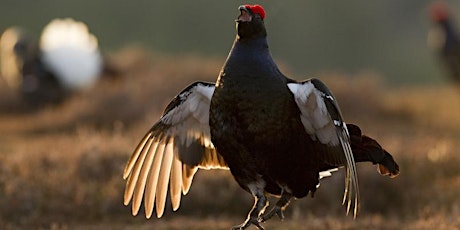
<point>275,210</point>
<point>247,223</point>
<point>260,203</point>
<point>279,208</point>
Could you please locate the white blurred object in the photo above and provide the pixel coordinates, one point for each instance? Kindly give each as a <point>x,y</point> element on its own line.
<point>71,52</point>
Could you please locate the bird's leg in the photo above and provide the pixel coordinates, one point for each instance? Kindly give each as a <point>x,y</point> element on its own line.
<point>260,203</point>
<point>279,208</point>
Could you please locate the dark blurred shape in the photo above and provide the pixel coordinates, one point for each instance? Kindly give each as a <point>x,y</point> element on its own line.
<point>444,40</point>
<point>66,59</point>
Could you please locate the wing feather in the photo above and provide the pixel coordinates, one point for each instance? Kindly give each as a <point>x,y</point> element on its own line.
<point>135,155</point>
<point>133,178</point>
<point>152,181</point>
<point>139,189</point>
<point>322,120</point>
<point>351,193</point>
<point>163,179</point>
<point>187,176</point>
<point>176,182</point>
<point>171,152</point>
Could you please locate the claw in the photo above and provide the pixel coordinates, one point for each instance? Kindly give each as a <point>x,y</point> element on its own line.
<point>247,223</point>
<point>279,208</point>
<point>260,203</point>
<point>257,224</point>
<point>280,214</point>
<point>275,210</point>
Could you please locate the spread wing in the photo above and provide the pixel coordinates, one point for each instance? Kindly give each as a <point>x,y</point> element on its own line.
<point>172,151</point>
<point>322,120</point>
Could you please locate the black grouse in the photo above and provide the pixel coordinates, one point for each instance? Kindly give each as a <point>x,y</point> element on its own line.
<point>64,60</point>
<point>276,136</point>
<point>444,39</point>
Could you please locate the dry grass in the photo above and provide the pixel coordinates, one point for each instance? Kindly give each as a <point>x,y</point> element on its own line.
<point>61,166</point>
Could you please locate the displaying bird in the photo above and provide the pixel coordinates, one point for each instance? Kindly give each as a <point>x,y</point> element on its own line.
<point>276,136</point>
<point>444,39</point>
<point>65,59</point>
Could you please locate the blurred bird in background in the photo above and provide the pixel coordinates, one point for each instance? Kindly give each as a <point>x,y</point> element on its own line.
<point>66,59</point>
<point>443,38</point>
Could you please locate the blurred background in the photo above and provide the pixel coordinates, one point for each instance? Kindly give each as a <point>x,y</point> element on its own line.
<point>61,164</point>
<point>386,36</point>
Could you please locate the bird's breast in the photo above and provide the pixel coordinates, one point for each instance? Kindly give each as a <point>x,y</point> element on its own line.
<point>250,108</point>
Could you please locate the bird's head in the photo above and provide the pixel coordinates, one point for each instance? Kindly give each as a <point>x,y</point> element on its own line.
<point>250,23</point>
<point>438,12</point>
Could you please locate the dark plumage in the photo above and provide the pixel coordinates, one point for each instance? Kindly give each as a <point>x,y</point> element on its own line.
<point>277,136</point>
<point>444,40</point>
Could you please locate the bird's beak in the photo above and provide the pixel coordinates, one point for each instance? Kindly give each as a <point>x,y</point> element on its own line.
<point>245,15</point>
